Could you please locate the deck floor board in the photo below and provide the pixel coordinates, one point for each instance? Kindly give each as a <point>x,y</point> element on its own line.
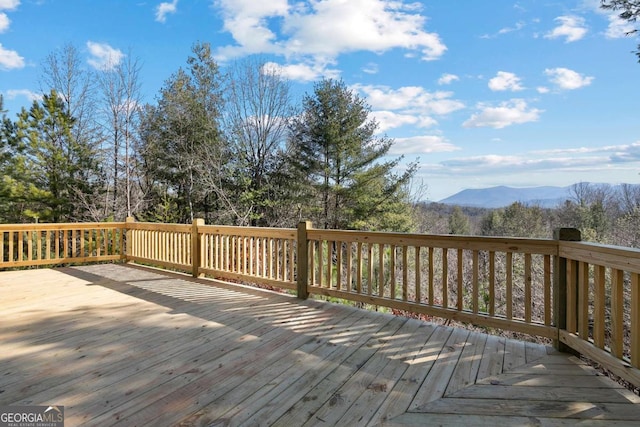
<point>126,345</point>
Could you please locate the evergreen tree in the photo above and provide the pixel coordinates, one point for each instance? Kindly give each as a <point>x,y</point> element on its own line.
<point>516,220</point>
<point>55,171</point>
<point>458,222</point>
<point>179,134</point>
<point>338,158</point>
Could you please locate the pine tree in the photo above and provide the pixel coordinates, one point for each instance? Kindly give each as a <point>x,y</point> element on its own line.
<point>57,171</point>
<point>338,158</point>
<point>178,133</point>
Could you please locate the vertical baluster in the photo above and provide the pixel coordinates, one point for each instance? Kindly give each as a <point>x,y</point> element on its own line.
<point>445,277</point>
<point>381,270</point>
<point>431,277</point>
<point>547,290</point>
<point>599,306</point>
<point>571,296</point>
<point>392,267</point>
<point>527,288</point>
<point>339,265</point>
<point>583,300</point>
<point>369,268</point>
<point>492,283</point>
<point>460,279</point>
<point>475,280</point>
<point>20,251</point>
<point>617,313</point>
<point>359,269</point>
<point>509,284</point>
<point>418,274</point>
<point>348,266</point>
<point>635,320</point>
<point>405,272</point>
<point>329,264</point>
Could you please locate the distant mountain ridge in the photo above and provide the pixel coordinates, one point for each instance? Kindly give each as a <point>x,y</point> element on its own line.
<point>498,197</point>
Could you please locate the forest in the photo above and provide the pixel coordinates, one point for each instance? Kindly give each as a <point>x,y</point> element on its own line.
<point>233,147</point>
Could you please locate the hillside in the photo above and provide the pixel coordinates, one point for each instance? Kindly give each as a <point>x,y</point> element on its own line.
<point>497,197</point>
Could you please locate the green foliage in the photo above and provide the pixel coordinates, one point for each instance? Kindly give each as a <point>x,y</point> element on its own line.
<point>338,161</point>
<point>458,222</point>
<point>46,172</point>
<point>516,220</point>
<point>178,132</point>
<point>258,108</point>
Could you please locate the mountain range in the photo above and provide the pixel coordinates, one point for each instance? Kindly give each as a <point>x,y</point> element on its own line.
<point>497,197</point>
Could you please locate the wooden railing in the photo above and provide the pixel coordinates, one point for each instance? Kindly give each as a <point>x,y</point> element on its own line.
<point>603,305</point>
<point>164,245</point>
<point>26,245</point>
<point>487,281</point>
<point>262,255</point>
<point>584,296</point>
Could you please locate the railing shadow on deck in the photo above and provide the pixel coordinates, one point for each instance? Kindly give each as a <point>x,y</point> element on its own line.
<point>584,296</point>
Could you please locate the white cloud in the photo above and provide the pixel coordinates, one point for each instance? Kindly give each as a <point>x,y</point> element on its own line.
<point>4,22</point>
<point>567,79</point>
<point>618,28</point>
<point>515,111</point>
<point>422,145</point>
<point>303,72</point>
<point>571,27</point>
<point>408,105</point>
<point>164,9</point>
<point>413,99</point>
<point>9,4</point>
<point>30,95</point>
<point>390,120</point>
<point>517,27</point>
<point>447,78</point>
<point>104,57</point>
<point>505,81</point>
<point>320,31</point>
<point>585,159</point>
<point>4,19</point>
<point>542,89</point>
<point>371,68</point>
<point>10,59</point>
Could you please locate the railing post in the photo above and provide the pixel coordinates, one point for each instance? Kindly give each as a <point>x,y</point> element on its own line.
<point>560,286</point>
<point>195,247</point>
<point>302,265</point>
<point>128,238</point>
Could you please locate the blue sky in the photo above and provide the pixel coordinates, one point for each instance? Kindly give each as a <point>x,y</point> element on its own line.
<point>483,93</point>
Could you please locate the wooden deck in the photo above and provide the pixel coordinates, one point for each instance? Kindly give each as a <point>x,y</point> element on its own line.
<point>122,345</point>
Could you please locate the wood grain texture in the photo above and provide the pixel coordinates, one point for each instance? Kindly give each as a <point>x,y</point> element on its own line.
<point>126,345</point>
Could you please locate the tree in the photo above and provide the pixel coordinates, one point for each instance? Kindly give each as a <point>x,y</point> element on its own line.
<point>58,170</point>
<point>120,89</point>
<point>591,209</point>
<point>458,222</point>
<point>629,11</point>
<point>516,220</point>
<point>338,158</point>
<point>258,108</point>
<point>178,133</point>
<point>64,72</point>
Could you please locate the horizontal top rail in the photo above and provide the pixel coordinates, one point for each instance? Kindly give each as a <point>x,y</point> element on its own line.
<point>627,259</point>
<point>152,226</point>
<point>278,233</point>
<point>62,226</point>
<point>498,244</point>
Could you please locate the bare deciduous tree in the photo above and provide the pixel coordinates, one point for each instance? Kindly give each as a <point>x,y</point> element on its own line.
<point>120,104</point>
